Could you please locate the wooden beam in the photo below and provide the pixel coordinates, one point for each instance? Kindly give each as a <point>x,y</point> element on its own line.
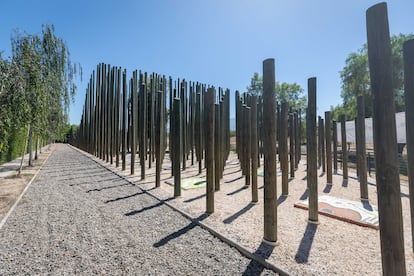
<point>270,152</point>
<point>209,99</point>
<point>385,142</point>
<point>311,152</point>
<point>408,50</point>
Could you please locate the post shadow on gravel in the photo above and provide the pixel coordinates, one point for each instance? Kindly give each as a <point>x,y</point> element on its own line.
<point>195,198</point>
<point>305,246</point>
<point>239,213</point>
<point>327,188</point>
<point>255,268</point>
<point>124,197</point>
<point>281,199</point>
<point>181,231</point>
<point>135,212</point>
<point>305,194</point>
<point>104,188</point>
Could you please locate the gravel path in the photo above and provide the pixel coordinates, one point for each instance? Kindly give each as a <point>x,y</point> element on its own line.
<point>79,218</point>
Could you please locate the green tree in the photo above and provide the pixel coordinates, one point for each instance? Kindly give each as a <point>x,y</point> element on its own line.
<point>256,85</point>
<point>292,93</point>
<point>36,87</point>
<point>356,80</point>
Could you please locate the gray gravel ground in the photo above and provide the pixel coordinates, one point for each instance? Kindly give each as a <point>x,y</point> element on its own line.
<point>79,218</point>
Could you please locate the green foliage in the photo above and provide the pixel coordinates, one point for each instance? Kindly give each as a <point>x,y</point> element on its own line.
<point>291,93</point>
<point>256,85</point>
<point>356,80</point>
<point>36,87</point>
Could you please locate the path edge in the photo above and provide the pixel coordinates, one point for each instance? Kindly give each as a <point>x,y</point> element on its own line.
<point>4,220</point>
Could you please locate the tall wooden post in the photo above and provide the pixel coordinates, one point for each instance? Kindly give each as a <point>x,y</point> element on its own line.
<point>323,151</point>
<point>117,110</point>
<point>143,125</point>
<point>159,136</point>
<point>328,136</point>
<point>209,99</point>
<point>385,142</point>
<point>124,119</point>
<point>335,146</point>
<point>199,130</point>
<point>237,102</point>
<point>297,139</point>
<point>176,166</point>
<point>361,152</point>
<point>184,123</point>
<point>311,152</point>
<point>247,139</point>
<point>299,142</point>
<point>243,150</point>
<point>292,145</point>
<point>344,149</point>
<point>254,147</point>
<point>269,144</point>
<point>283,148</point>
<point>408,49</point>
<point>134,117</point>
<point>216,146</point>
<point>319,142</point>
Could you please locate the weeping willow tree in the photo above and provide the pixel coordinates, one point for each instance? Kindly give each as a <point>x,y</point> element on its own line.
<point>40,79</point>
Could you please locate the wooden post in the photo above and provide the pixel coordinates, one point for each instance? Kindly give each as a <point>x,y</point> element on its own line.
<point>159,135</point>
<point>176,121</point>
<point>283,148</point>
<point>254,147</point>
<point>237,103</point>
<point>192,122</point>
<point>247,145</point>
<point>269,144</point>
<point>385,142</point>
<point>323,151</point>
<point>143,125</point>
<point>124,119</point>
<point>110,116</point>
<point>184,123</point>
<point>311,152</point>
<point>243,148</point>
<point>292,145</point>
<point>299,142</point>
<point>328,147</point>
<point>297,139</point>
<point>222,136</point>
<point>335,146</point>
<point>361,152</point>
<point>356,146</point>
<point>408,49</point>
<point>209,100</point>
<point>319,142</point>
<point>344,149</point>
<point>117,109</point>
<point>216,146</point>
<point>199,131</point>
<point>134,117</point>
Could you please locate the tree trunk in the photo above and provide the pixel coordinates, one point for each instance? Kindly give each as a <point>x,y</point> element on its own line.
<point>24,150</point>
<point>30,146</point>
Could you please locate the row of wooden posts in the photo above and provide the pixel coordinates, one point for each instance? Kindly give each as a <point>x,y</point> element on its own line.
<point>121,117</point>
<point>116,113</point>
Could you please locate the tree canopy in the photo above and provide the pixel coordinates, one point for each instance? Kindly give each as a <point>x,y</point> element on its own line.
<point>292,93</point>
<point>355,79</point>
<point>36,86</point>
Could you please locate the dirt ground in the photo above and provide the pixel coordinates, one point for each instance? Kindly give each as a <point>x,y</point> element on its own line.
<point>12,184</point>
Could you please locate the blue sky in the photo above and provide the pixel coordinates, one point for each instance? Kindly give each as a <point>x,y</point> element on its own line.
<point>218,42</point>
